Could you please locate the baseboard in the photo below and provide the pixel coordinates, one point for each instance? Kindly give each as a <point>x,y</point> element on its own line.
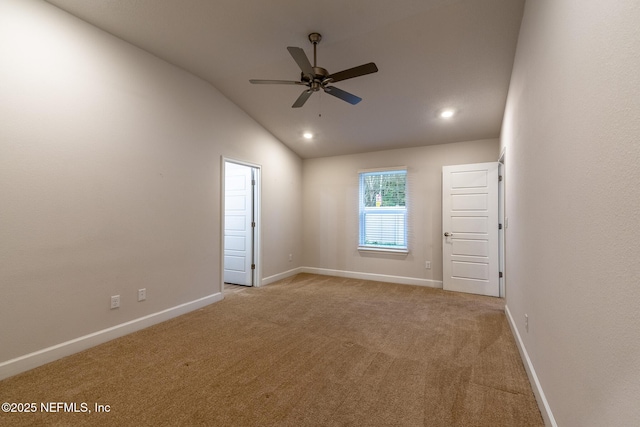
<point>545,409</point>
<point>41,357</point>
<point>375,277</point>
<point>280,276</point>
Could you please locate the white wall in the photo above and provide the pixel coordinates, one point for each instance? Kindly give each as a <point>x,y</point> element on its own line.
<point>330,210</point>
<point>572,138</point>
<point>110,181</point>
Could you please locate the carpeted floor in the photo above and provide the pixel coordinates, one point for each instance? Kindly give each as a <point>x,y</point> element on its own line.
<point>306,351</point>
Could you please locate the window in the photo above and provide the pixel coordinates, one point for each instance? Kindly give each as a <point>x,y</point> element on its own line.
<point>383,210</point>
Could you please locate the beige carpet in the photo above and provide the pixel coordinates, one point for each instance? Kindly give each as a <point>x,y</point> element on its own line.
<point>306,351</point>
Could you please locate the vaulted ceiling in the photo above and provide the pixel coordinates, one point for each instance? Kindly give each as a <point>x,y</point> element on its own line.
<point>431,55</point>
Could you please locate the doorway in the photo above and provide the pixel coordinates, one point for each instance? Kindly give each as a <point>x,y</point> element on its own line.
<point>470,225</point>
<point>240,224</point>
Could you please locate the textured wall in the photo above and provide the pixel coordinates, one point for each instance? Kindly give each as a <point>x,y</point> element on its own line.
<point>572,138</point>
<point>110,180</point>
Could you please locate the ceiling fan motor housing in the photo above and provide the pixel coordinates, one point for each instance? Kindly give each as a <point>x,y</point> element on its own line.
<point>319,78</point>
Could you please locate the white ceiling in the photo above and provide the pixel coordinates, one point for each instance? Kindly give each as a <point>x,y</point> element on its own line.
<point>431,54</point>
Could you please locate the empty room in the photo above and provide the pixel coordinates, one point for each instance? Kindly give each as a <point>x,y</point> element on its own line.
<point>360,212</point>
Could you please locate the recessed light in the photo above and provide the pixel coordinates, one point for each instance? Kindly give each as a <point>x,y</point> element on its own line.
<point>447,113</point>
<point>307,135</point>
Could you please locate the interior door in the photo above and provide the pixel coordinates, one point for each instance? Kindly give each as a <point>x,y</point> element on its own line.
<point>238,219</point>
<point>470,228</point>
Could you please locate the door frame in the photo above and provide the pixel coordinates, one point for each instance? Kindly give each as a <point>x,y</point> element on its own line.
<point>502,219</point>
<point>256,277</point>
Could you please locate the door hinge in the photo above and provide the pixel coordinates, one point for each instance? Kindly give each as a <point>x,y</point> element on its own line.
<point>253,224</point>
<point>499,226</point>
<point>253,267</point>
<point>499,177</point>
<point>253,182</point>
<point>500,274</point>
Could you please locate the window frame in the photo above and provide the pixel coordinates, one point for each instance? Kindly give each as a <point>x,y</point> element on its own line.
<point>390,210</point>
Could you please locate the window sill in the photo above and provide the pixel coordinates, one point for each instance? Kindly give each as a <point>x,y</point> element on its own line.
<point>369,249</point>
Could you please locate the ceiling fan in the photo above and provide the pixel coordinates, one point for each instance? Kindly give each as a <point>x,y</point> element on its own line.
<point>316,78</point>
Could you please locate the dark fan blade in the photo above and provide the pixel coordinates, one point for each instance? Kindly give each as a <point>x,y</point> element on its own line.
<point>354,72</point>
<point>345,96</point>
<point>275,82</point>
<point>301,59</point>
<point>302,99</point>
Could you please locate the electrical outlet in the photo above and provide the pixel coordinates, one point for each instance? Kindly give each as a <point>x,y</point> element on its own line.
<point>427,265</point>
<point>115,301</point>
<point>290,257</point>
<point>142,294</point>
<point>526,322</point>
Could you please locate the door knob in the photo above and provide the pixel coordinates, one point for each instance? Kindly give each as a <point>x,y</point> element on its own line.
<point>447,234</point>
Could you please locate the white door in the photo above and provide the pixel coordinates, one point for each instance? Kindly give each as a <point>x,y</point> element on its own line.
<point>238,219</point>
<point>470,228</point>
